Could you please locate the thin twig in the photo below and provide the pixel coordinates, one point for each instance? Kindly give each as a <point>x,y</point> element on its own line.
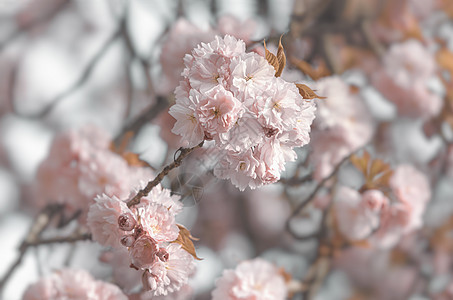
<point>69,239</point>
<point>152,112</point>
<point>294,181</point>
<point>176,163</point>
<point>310,198</point>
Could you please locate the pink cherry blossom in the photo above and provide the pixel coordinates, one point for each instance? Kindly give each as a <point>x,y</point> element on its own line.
<point>358,215</point>
<point>162,196</point>
<point>381,220</point>
<point>158,222</point>
<point>165,277</point>
<point>254,118</point>
<point>187,123</point>
<point>143,252</point>
<point>412,188</point>
<point>403,80</point>
<point>218,111</point>
<point>249,72</point>
<point>240,169</point>
<point>80,166</point>
<point>254,279</point>
<point>184,293</point>
<point>103,220</point>
<point>72,284</point>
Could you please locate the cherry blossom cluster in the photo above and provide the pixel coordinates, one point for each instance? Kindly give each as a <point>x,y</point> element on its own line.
<point>254,279</point>
<point>403,78</point>
<point>148,230</point>
<point>234,99</point>
<point>81,165</point>
<point>73,284</point>
<point>383,216</point>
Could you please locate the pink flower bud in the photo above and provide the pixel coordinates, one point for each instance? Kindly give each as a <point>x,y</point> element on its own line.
<point>126,222</point>
<point>163,254</point>
<point>127,240</point>
<point>143,252</point>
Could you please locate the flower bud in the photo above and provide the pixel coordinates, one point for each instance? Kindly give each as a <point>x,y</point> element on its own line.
<point>127,240</point>
<point>162,254</point>
<point>143,252</point>
<point>126,222</point>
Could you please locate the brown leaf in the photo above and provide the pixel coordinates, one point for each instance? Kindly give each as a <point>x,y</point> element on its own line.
<point>306,92</point>
<point>271,58</point>
<point>185,240</point>
<point>124,142</point>
<point>361,243</point>
<point>377,166</point>
<point>133,159</point>
<point>376,172</point>
<point>281,58</point>
<point>361,163</point>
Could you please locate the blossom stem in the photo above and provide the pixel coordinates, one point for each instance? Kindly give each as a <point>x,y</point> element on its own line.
<point>183,152</point>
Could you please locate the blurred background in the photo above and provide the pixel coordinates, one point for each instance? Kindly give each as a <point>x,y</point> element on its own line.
<point>115,64</point>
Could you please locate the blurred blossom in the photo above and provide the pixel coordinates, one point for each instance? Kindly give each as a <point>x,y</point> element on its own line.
<point>72,284</point>
<point>342,125</point>
<point>403,78</point>
<point>251,279</point>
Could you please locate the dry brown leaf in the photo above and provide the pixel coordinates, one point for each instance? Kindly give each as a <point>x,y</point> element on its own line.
<point>376,172</point>
<point>361,243</point>
<point>306,92</point>
<point>271,58</point>
<point>185,240</point>
<point>377,166</point>
<point>124,142</point>
<point>133,159</point>
<point>361,163</point>
<point>281,58</point>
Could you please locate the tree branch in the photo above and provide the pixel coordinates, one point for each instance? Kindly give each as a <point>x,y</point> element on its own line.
<point>38,226</point>
<point>183,152</point>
